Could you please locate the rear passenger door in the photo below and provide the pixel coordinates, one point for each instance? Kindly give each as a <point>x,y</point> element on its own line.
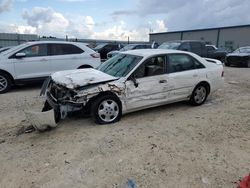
<point>182,75</point>
<point>65,57</point>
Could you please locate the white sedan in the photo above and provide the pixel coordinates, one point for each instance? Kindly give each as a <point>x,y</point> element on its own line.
<point>132,81</point>
<point>35,61</point>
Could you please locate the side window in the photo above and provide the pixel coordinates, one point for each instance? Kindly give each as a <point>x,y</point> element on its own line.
<point>182,62</point>
<point>64,49</point>
<point>210,48</point>
<point>35,50</point>
<point>196,48</point>
<point>185,47</point>
<point>151,67</point>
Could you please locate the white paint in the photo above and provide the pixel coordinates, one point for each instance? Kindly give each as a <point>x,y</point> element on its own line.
<point>81,77</point>
<point>43,66</point>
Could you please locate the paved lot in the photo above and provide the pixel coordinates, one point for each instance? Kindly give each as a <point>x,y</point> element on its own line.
<point>170,146</point>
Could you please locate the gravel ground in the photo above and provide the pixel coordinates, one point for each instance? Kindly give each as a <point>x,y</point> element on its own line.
<point>170,146</point>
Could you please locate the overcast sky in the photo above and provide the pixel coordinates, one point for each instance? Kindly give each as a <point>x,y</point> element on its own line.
<point>116,19</point>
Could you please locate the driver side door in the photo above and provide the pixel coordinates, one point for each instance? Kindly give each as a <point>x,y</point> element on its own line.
<point>151,84</point>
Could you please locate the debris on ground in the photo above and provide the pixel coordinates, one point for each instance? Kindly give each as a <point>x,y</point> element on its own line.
<point>41,120</point>
<point>245,182</point>
<point>131,183</point>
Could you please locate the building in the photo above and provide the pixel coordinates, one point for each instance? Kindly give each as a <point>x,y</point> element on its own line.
<point>223,37</point>
<point>14,39</point>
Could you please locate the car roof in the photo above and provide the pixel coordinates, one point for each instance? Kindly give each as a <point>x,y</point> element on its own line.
<point>152,52</point>
<point>180,41</point>
<point>54,41</point>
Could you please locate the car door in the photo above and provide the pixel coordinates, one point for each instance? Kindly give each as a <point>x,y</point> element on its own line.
<point>66,57</point>
<point>182,75</point>
<point>147,84</point>
<point>34,62</point>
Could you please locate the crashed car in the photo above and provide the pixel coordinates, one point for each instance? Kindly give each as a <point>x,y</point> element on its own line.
<point>132,81</point>
<point>240,57</point>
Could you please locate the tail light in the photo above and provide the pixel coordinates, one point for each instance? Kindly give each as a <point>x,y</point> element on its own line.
<point>222,73</point>
<point>95,55</point>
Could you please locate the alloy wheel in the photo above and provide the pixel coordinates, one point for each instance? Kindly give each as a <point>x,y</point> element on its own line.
<point>200,94</point>
<point>108,110</point>
<point>3,83</point>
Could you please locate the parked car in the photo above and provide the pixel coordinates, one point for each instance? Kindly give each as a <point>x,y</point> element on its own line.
<point>104,49</point>
<point>129,47</point>
<point>240,57</point>
<point>4,49</point>
<point>132,81</point>
<point>216,53</point>
<point>35,61</point>
<point>197,47</point>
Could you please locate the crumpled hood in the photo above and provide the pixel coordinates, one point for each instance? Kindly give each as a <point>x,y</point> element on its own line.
<point>82,77</point>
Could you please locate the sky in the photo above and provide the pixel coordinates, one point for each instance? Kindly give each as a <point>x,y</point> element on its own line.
<point>116,19</point>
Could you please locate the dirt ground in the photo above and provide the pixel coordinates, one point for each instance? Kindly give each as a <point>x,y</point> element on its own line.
<point>170,146</point>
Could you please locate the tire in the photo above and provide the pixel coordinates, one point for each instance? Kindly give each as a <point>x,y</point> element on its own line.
<point>227,64</point>
<point>199,95</point>
<point>5,82</point>
<point>106,109</point>
<point>248,64</point>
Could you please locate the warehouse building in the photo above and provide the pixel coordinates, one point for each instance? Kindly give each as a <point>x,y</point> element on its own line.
<point>14,39</point>
<point>223,37</point>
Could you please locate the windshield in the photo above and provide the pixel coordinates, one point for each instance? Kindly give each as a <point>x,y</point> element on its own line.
<point>244,50</point>
<point>128,47</point>
<point>169,45</point>
<point>120,65</point>
<point>100,46</point>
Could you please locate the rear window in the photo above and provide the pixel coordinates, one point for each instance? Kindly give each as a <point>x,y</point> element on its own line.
<point>64,49</point>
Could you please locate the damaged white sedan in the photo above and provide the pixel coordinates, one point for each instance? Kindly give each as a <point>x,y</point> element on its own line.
<point>131,81</point>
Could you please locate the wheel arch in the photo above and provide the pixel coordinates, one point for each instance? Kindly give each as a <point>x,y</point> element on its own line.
<point>7,73</point>
<point>206,84</point>
<point>103,93</point>
<point>84,66</point>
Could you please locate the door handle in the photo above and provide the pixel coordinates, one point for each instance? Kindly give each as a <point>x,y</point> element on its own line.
<point>163,81</point>
<point>43,59</point>
<point>195,75</point>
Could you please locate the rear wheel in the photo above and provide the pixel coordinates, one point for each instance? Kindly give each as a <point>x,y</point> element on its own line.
<point>199,95</point>
<point>5,82</point>
<point>227,64</point>
<point>248,64</point>
<point>106,109</point>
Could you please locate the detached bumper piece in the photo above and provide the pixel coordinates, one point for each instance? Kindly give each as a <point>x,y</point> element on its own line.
<point>41,120</point>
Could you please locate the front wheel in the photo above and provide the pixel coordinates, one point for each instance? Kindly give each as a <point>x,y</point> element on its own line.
<point>106,109</point>
<point>199,95</point>
<point>5,83</point>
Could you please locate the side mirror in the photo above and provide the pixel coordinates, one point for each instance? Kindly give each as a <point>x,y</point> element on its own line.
<point>184,49</point>
<point>20,55</point>
<point>133,79</point>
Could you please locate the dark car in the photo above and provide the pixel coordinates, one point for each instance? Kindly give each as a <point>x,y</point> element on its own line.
<point>216,53</point>
<point>105,48</point>
<point>240,57</point>
<point>129,47</point>
<point>197,47</point>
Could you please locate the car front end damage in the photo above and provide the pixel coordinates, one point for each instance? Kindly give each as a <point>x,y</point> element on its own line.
<point>60,101</point>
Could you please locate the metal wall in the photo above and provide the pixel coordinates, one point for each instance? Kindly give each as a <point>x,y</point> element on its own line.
<point>224,37</point>
<point>10,39</point>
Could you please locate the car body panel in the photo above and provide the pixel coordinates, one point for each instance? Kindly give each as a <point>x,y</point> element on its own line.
<point>150,91</point>
<point>240,57</point>
<point>26,68</point>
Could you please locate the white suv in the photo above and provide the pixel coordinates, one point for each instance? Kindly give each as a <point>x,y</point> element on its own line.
<point>35,61</point>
